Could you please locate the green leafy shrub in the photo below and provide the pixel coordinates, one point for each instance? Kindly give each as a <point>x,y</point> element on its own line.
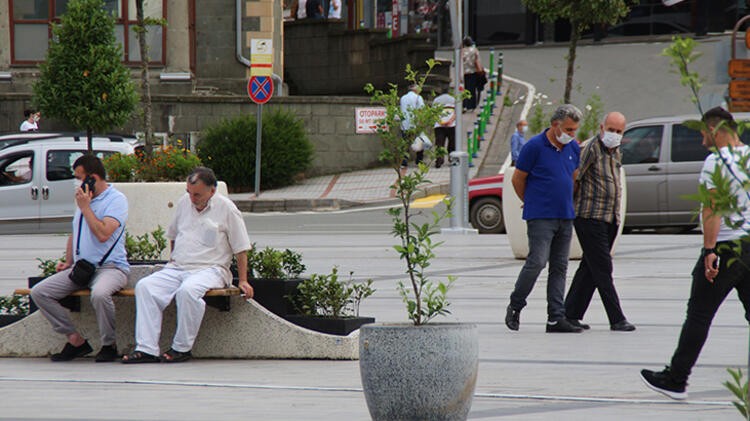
<point>49,266</point>
<point>327,296</point>
<point>17,305</point>
<point>740,391</point>
<point>271,263</point>
<point>592,117</point>
<point>166,164</point>
<point>229,148</point>
<point>147,246</point>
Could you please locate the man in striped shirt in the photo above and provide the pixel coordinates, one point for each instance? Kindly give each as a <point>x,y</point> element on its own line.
<point>597,204</point>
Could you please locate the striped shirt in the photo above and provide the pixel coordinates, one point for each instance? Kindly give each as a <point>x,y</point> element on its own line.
<point>599,186</point>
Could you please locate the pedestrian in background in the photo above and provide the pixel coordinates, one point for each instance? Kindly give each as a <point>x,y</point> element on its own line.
<point>597,202</point>
<point>30,122</point>
<point>314,9</point>
<point>517,140</point>
<point>445,128</point>
<point>334,9</point>
<point>543,180</point>
<point>472,72</point>
<point>410,101</point>
<point>724,262</point>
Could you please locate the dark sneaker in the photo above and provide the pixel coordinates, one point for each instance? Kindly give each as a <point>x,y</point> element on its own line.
<point>623,326</point>
<point>70,352</point>
<point>107,354</point>
<point>577,323</point>
<point>562,326</point>
<point>512,318</point>
<point>661,381</point>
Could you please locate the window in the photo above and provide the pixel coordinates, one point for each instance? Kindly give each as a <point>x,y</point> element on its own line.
<point>60,163</point>
<point>16,169</point>
<point>687,145</point>
<point>31,28</point>
<point>641,145</point>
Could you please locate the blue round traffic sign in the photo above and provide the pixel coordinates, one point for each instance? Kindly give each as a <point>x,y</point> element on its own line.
<point>260,89</point>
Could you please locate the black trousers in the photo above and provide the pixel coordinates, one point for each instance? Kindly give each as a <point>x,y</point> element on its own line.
<point>704,302</point>
<point>471,84</point>
<point>595,271</point>
<point>441,135</point>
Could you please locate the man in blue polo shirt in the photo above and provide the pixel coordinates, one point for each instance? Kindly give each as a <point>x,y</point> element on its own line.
<point>543,180</point>
<point>97,237</point>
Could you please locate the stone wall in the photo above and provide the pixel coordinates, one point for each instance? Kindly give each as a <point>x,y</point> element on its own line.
<point>324,58</point>
<point>329,121</point>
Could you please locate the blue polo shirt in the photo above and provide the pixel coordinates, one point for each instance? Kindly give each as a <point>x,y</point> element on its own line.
<point>549,186</point>
<point>111,203</point>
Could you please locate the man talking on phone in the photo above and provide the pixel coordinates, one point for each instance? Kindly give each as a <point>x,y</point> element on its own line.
<point>98,226</point>
<point>714,277</point>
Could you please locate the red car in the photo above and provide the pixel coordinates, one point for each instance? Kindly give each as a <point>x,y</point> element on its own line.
<point>486,205</point>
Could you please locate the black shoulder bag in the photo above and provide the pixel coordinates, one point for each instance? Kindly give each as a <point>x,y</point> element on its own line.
<point>83,270</point>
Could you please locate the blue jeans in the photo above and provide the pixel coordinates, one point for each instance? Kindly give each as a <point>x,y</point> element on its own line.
<point>549,240</point>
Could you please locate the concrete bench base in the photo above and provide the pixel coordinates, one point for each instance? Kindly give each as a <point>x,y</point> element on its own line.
<point>247,331</point>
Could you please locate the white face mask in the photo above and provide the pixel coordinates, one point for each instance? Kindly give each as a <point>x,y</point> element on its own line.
<point>564,138</point>
<point>611,139</point>
<point>524,129</point>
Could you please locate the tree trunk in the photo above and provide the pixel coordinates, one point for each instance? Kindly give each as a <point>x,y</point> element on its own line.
<point>90,140</point>
<point>575,35</point>
<point>145,84</point>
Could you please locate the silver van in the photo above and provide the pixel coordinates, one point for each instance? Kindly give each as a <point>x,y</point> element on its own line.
<point>662,161</point>
<point>36,178</point>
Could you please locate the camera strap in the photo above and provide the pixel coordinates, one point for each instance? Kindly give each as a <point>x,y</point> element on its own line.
<point>78,241</point>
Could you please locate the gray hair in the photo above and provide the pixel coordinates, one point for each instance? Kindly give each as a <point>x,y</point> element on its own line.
<point>566,111</point>
<point>204,174</point>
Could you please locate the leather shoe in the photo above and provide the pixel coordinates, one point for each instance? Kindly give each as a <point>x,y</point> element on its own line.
<point>512,318</point>
<point>562,326</point>
<point>622,326</point>
<point>70,352</point>
<point>577,323</point>
<point>107,354</point>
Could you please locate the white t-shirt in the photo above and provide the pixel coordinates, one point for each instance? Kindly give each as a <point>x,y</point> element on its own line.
<point>301,9</point>
<point>334,13</point>
<point>29,127</point>
<point>209,238</point>
<point>737,176</point>
<point>410,101</point>
<point>448,117</point>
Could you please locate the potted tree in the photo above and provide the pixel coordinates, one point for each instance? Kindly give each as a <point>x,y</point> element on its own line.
<point>329,305</point>
<point>13,308</point>
<point>416,370</point>
<point>274,276</point>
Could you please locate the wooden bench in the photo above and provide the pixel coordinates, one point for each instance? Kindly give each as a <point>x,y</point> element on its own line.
<point>217,298</point>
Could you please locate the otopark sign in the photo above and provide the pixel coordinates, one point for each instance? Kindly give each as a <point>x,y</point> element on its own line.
<point>260,85</point>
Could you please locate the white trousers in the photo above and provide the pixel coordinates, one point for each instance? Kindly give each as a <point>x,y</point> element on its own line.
<point>154,292</point>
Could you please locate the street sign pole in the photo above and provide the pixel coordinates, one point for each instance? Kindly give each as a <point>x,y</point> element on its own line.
<point>258,132</point>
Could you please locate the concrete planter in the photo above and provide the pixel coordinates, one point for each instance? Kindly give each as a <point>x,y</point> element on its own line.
<point>341,326</point>
<point>418,372</point>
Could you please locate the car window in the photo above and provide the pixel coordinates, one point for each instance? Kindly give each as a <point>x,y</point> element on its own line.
<point>687,145</point>
<point>60,163</point>
<point>16,169</point>
<point>641,145</point>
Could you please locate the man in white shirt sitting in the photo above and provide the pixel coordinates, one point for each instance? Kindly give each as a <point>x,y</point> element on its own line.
<point>206,232</point>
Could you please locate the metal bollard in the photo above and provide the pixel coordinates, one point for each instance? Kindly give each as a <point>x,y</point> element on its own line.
<point>460,163</point>
<point>499,71</point>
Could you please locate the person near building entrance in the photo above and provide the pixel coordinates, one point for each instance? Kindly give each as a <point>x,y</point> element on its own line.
<point>207,230</point>
<point>543,180</point>
<point>597,203</point>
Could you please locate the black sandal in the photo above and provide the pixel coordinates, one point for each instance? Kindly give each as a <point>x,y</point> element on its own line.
<point>138,357</point>
<point>173,356</point>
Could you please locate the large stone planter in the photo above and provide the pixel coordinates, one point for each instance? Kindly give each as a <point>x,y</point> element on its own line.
<point>418,372</point>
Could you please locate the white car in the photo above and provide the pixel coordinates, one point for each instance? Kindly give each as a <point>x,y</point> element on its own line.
<point>36,178</point>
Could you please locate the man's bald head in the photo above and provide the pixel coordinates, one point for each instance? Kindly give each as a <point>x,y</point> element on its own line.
<point>613,122</point>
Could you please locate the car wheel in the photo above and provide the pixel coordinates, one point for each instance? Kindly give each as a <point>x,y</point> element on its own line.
<point>486,216</point>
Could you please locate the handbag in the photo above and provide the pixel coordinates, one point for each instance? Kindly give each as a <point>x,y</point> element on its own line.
<point>83,270</point>
<point>481,78</point>
<point>421,143</point>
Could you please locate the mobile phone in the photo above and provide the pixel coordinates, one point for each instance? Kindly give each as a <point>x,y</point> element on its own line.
<point>716,262</point>
<point>88,182</point>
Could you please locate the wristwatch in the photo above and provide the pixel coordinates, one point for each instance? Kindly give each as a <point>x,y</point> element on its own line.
<point>707,251</point>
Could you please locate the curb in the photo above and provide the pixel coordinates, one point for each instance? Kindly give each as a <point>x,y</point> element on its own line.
<point>294,205</point>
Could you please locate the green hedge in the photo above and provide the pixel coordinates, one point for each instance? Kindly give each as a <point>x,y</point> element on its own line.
<point>229,149</point>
